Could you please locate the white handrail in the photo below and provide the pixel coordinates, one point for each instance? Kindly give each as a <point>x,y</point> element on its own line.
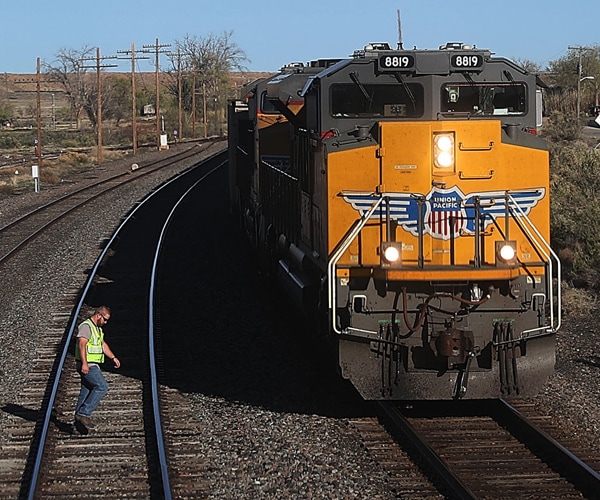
<point>337,255</point>
<point>546,250</point>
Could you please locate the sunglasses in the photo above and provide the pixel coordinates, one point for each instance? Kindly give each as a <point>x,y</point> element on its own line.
<point>104,318</point>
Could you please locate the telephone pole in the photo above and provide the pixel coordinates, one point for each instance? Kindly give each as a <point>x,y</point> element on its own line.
<point>193,102</point>
<point>133,91</point>
<point>35,169</point>
<point>580,50</point>
<point>38,147</point>
<point>98,67</point>
<point>158,49</point>
<point>179,90</point>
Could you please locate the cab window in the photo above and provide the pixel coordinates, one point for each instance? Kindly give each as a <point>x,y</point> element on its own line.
<point>369,100</point>
<point>484,98</point>
<point>266,106</point>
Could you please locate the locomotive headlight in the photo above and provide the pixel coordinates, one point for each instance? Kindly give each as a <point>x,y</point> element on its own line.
<point>391,254</point>
<point>443,150</point>
<point>506,253</point>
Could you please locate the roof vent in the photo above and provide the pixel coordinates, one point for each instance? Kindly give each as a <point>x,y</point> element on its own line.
<point>455,46</point>
<point>378,46</point>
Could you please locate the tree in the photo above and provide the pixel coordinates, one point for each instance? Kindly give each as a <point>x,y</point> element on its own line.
<point>207,64</point>
<point>70,71</point>
<point>565,72</point>
<point>528,65</point>
<point>116,98</point>
<point>575,209</point>
<point>6,113</point>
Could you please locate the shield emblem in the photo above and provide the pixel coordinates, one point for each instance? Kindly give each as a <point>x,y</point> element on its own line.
<point>445,216</point>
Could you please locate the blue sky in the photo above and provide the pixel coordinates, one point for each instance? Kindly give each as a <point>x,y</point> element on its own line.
<point>273,33</point>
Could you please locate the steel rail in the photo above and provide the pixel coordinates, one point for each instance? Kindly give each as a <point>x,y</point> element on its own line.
<point>72,194</point>
<point>49,403</point>
<point>162,454</point>
<point>90,186</point>
<point>578,472</point>
<point>441,468</point>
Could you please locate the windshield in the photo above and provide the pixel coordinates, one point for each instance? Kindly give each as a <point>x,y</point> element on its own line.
<point>392,100</point>
<point>484,98</point>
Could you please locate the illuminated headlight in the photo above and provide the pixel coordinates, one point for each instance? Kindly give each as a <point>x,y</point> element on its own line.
<point>391,254</point>
<point>443,150</point>
<point>506,253</point>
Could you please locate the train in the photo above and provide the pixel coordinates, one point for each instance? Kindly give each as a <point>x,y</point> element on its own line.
<point>401,198</point>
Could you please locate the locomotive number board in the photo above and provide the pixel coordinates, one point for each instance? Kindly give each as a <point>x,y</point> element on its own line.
<point>466,61</point>
<point>401,61</point>
<point>396,62</point>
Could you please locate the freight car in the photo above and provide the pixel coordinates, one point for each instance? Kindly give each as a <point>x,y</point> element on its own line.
<point>404,197</point>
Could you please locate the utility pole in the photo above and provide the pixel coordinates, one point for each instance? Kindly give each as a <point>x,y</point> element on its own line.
<point>133,91</point>
<point>179,90</point>
<point>98,67</point>
<point>194,103</point>
<point>35,170</point>
<point>53,112</point>
<point>580,50</point>
<point>157,51</point>
<point>38,147</point>
<point>204,120</point>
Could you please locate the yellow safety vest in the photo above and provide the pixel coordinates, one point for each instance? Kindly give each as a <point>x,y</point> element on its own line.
<point>94,351</point>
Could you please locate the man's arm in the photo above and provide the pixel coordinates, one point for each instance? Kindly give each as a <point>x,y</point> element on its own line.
<point>111,355</point>
<point>82,343</point>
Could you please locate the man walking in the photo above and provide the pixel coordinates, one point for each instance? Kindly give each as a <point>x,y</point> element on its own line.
<point>90,350</point>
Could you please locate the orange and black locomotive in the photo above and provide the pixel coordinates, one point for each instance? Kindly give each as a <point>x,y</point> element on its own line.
<point>403,195</point>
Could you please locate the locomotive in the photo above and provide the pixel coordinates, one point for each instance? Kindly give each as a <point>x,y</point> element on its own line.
<point>402,198</point>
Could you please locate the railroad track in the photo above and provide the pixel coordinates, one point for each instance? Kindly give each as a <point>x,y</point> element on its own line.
<point>126,452</point>
<point>17,233</point>
<point>483,449</point>
<point>25,160</point>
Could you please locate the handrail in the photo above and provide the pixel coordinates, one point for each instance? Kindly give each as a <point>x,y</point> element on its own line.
<point>337,255</point>
<point>546,250</point>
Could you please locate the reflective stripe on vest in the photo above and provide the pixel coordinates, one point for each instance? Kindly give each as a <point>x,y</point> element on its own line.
<point>93,348</point>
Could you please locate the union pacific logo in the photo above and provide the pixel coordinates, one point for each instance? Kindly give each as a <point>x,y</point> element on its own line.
<point>447,213</point>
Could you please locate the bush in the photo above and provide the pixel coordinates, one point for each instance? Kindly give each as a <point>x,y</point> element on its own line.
<point>9,141</point>
<point>72,158</point>
<point>562,127</point>
<point>48,176</point>
<point>575,212</point>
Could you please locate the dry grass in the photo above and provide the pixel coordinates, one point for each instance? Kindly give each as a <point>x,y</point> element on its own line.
<point>14,178</point>
<point>52,171</point>
<point>577,302</point>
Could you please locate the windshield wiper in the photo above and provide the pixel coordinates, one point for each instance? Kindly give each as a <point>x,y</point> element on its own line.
<point>401,81</point>
<point>354,78</point>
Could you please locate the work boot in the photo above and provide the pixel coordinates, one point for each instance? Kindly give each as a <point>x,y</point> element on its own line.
<point>85,421</point>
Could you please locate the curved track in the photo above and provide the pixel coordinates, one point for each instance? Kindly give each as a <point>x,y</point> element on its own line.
<point>18,232</point>
<point>129,435</point>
